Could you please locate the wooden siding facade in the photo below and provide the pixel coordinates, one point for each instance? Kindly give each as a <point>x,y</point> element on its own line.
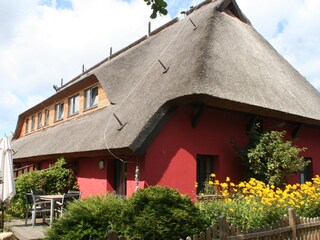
<point>102,102</point>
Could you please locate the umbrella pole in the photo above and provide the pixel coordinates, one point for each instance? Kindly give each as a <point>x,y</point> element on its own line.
<point>2,219</point>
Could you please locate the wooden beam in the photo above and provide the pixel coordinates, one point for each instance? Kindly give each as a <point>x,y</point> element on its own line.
<point>295,131</point>
<point>196,117</point>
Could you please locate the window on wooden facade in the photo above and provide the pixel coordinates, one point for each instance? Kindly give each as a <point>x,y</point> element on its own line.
<point>120,178</point>
<point>91,97</point>
<point>205,166</point>
<point>46,117</point>
<point>59,108</point>
<point>27,126</point>
<point>33,122</point>
<point>306,174</point>
<point>39,120</point>
<point>73,105</point>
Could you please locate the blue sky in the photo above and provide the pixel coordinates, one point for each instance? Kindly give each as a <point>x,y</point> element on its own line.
<point>42,41</point>
<point>58,4</point>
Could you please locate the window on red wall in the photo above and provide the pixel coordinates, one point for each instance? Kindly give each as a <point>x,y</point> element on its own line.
<point>306,174</point>
<point>205,166</point>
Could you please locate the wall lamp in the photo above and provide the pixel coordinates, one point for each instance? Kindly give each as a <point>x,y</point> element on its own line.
<point>101,164</point>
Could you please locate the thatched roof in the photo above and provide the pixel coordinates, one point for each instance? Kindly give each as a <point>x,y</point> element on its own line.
<point>224,63</point>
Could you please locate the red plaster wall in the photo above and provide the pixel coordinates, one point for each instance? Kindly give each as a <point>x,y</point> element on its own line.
<point>45,164</point>
<point>91,179</point>
<point>307,137</point>
<point>310,138</point>
<point>171,157</point>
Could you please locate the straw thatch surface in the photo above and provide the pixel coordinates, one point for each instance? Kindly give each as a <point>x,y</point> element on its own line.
<point>224,62</point>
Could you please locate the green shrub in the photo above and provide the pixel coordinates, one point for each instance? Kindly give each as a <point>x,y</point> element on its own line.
<point>160,213</point>
<point>88,219</point>
<point>268,157</point>
<point>56,179</point>
<point>152,213</point>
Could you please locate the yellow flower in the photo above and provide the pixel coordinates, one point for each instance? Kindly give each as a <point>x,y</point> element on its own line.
<point>224,185</point>
<point>210,183</point>
<point>212,175</point>
<point>227,179</point>
<point>196,185</point>
<point>225,193</point>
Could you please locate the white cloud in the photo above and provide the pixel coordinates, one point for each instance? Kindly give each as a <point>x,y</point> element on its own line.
<point>291,26</point>
<point>300,39</point>
<point>11,106</point>
<point>265,15</point>
<point>11,14</point>
<point>42,43</point>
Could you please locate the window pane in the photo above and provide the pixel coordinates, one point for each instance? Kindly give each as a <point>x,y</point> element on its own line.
<point>76,104</point>
<point>91,97</point>
<point>59,111</point>
<point>40,120</point>
<point>94,97</point>
<point>70,106</point>
<point>33,122</point>
<point>27,125</point>
<point>47,117</point>
<point>61,106</point>
<point>73,105</point>
<point>205,166</point>
<point>306,174</point>
<point>87,99</point>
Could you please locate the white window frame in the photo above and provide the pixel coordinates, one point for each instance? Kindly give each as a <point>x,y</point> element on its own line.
<point>27,126</point>
<point>91,97</point>
<point>33,122</point>
<point>73,105</point>
<point>39,120</point>
<point>59,111</point>
<point>46,117</point>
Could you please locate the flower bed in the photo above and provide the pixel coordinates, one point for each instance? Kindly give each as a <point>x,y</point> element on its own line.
<point>254,203</point>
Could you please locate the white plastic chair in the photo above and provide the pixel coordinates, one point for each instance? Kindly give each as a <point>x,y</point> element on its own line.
<point>67,197</point>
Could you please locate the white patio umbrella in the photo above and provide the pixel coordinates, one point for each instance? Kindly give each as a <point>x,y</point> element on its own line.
<point>7,186</point>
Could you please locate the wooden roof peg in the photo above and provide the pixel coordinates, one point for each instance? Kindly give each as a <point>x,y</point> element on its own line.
<point>195,26</point>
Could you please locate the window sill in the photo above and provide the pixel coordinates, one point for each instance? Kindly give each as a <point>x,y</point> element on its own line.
<point>58,120</point>
<point>73,114</point>
<point>90,108</point>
